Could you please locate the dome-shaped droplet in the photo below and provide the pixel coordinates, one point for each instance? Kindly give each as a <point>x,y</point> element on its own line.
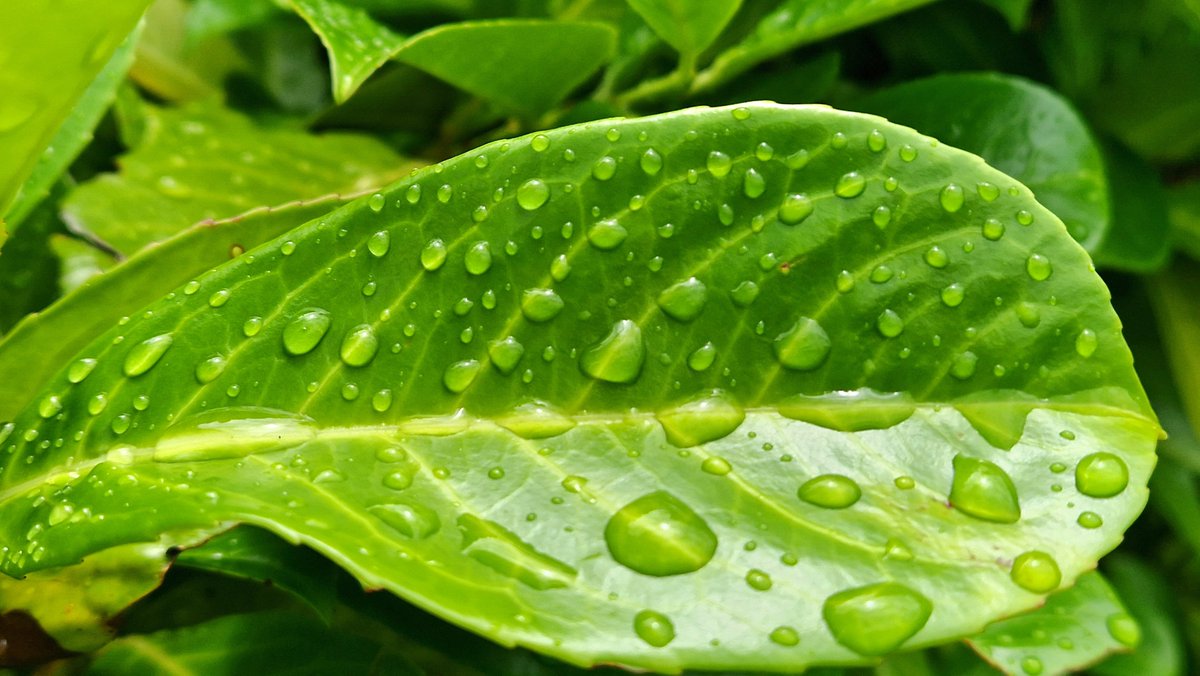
<point>303,333</point>
<point>653,628</point>
<point>705,418</point>
<point>952,296</point>
<point>716,465</point>
<point>50,406</point>
<point>795,208</point>
<point>963,365</point>
<point>459,375</point>
<point>702,357</point>
<point>753,184</point>
<point>209,369</point>
<point>533,194</point>
<point>1086,343</point>
<point>993,229</point>
<point>444,193</point>
<point>889,324</point>
<point>785,636</point>
<point>876,141</point>
<point>359,346</point>
<point>683,300</point>
<point>876,619</point>
<point>540,143</point>
<point>659,535</point>
<point>952,197</point>
<point>478,258</point>
<point>936,257</point>
<point>219,297</point>
<point>607,234</point>
<point>831,491</point>
<point>382,400</point>
<point>413,194</point>
<point>882,216</point>
<point>252,326</point>
<point>1123,628</point>
<point>1038,267</point>
<point>505,353</point>
<point>540,305</point>
<point>983,490</point>
<point>410,520</point>
<point>81,369</point>
<point>1028,314</point>
<point>143,356</point>
<point>1090,520</point>
<point>433,255</point>
<point>987,191</point>
<point>376,202</point>
<point>618,357</point>
<point>604,168</point>
<point>1036,572</point>
<point>718,164</point>
<point>804,346</point>
<point>651,162</point>
<point>1101,475</point>
<point>758,580</point>
<point>379,243</point>
<point>535,419</point>
<point>851,184</point>
<point>744,294</point>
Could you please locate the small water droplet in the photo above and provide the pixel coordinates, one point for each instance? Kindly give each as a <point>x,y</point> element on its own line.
<point>1038,267</point>
<point>1086,343</point>
<point>533,194</point>
<point>1031,665</point>
<point>505,353</point>
<point>983,490</point>
<point>459,375</point>
<point>50,406</point>
<point>412,521</point>
<point>478,258</point>
<point>876,141</point>
<point>219,298</point>
<point>1125,629</point>
<point>539,143</point>
<point>654,628</point>
<point>1036,572</point>
<point>376,202</point>
<point>1101,475</point>
<point>831,491</point>
<point>540,305</point>
<point>908,153</point>
<point>1090,520</point>
<point>143,356</point>
<point>889,323</point>
<point>716,465</point>
<point>763,151</point>
<point>97,404</point>
<point>744,294</point>
<point>350,391</point>
<point>535,419</point>
<point>804,346</point>
<point>684,300</point>
<point>851,184</point>
<point>758,580</point>
<point>876,619</point>
<point>379,243</point>
<point>445,192</point>
<point>952,296</point>
<point>753,184</point>
<point>209,369</point>
<point>702,358</point>
<point>785,636</point>
<point>651,162</point>
<point>936,257</point>
<point>359,346</point>
<point>81,369</point>
<point>718,164</point>
<point>433,255</point>
<point>303,333</point>
<point>604,168</point>
<point>1024,217</point>
<point>607,234</point>
<point>963,366</point>
<point>382,400</point>
<point>659,535</point>
<point>952,197</point>
<point>1028,314</point>
<point>881,274</point>
<point>618,357</point>
<point>705,418</point>
<point>413,194</point>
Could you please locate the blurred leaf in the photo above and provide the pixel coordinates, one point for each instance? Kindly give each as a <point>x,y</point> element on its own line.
<point>1139,238</point>
<point>79,261</point>
<point>203,162</point>
<point>1183,210</point>
<point>1174,294</point>
<point>172,68</point>
<point>1176,495</point>
<point>28,268</point>
<point>29,351</point>
<point>52,52</point>
<point>1150,599</point>
<point>970,37</point>
<point>527,65</point>
<point>357,45</point>
<point>1019,127</point>
<point>256,554</point>
<point>1077,627</point>
<point>808,81</point>
<point>256,643</point>
<point>217,17</point>
<point>689,26</point>
<point>1016,12</point>
<point>75,132</point>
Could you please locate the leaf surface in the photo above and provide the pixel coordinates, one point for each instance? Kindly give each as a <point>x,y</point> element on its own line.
<point>1022,129</point>
<point>1152,602</point>
<point>1076,628</point>
<point>1139,238</point>
<point>689,27</point>
<point>1183,210</point>
<point>636,372</point>
<point>525,65</point>
<point>357,44</point>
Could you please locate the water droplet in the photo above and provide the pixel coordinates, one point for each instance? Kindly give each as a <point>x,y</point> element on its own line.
<point>379,243</point>
<point>983,490</point>
<point>1024,217</point>
<point>993,229</point>
<point>876,619</point>
<point>252,326</point>
<point>1031,665</point>
<point>208,370</point>
<point>908,153</point>
<point>953,295</point>
<point>963,366</point>
<point>540,305</point>
<point>80,370</point>
<point>716,466</point>
<point>881,217</point>
<point>618,357</point>
<point>845,281</point>
<point>753,184</point>
<point>705,418</point>
<point>936,257</point>
<point>889,324</point>
<point>876,141</point>
<point>1038,267</point>
<point>785,636</point>
<point>831,491</point>
<point>651,162</point>
<point>382,400</point>
<point>376,202</point>
<point>851,184</point>
<point>684,300</point>
<point>905,483</point>
<point>1090,520</point>
<point>232,433</point>
<point>1086,343</point>
<point>540,143</point>
<point>219,298</point>
<point>400,479</point>
<point>143,356</point>
<point>1028,314</point>
<point>1036,572</point>
<point>744,294</point>
<point>659,535</point>
<point>881,274</point>
<point>412,521</point>
<point>1123,628</point>
<point>763,151</point>
<point>359,346</point>
<point>478,258</point>
<point>718,164</point>
<point>459,375</point>
<point>987,191</point>
<point>653,628</point>
<point>433,255</point>
<point>413,194</point>
<point>349,391</point>
<point>702,358</point>
<point>496,473</point>
<point>1101,475</point>
<point>604,168</point>
<point>758,580</point>
<point>445,192</point>
<point>533,194</point>
<point>804,346</point>
<point>952,197</point>
<point>505,353</point>
<point>535,419</point>
<point>607,234</point>
<point>302,334</point>
<point>97,404</point>
<point>50,406</point>
<point>496,547</point>
<point>839,141</point>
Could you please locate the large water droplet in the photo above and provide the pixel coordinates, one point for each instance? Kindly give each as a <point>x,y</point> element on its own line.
<point>702,419</point>
<point>533,194</point>
<point>1036,572</point>
<point>983,490</point>
<point>785,636</point>
<point>303,333</point>
<point>232,433</point>
<point>478,258</point>
<point>618,357</point>
<point>80,369</point>
<point>1101,475</point>
<point>359,346</point>
<point>851,184</point>
<point>850,410</point>
<point>209,369</point>
<point>535,419</point>
<point>651,162</point>
<point>659,535</point>
<point>1123,628</point>
<point>143,356</point>
<point>433,255</point>
<point>952,197</point>
<point>831,491</point>
<point>1086,343</point>
<point>505,353</point>
<point>804,346</point>
<point>540,305</point>
<point>702,358</point>
<point>459,375</point>
<point>379,243</point>
<point>501,550</point>
<point>653,628</point>
<point>1038,267</point>
<point>604,168</point>
<point>889,324</point>
<point>607,234</point>
<point>795,208</point>
<point>753,184</point>
<point>718,164</point>
<point>411,521</point>
<point>876,619</point>
<point>50,406</point>
<point>683,300</point>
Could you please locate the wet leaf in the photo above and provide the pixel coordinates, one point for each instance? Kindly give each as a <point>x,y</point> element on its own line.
<point>651,373</point>
<point>357,44</point>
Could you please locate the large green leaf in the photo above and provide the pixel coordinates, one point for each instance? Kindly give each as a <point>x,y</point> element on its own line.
<point>1076,628</point>
<point>52,50</point>
<point>1022,129</point>
<point>1139,238</point>
<point>689,27</point>
<point>752,387</point>
<point>357,44</point>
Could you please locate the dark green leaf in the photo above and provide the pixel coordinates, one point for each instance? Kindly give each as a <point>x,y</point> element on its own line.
<point>1019,127</point>
<point>635,372</point>
<point>1139,238</point>
<point>1077,627</point>
<point>357,45</point>
<point>1173,293</point>
<point>1016,12</point>
<point>525,65</point>
<point>28,268</point>
<point>1149,597</point>
<point>1183,210</point>
<point>689,26</point>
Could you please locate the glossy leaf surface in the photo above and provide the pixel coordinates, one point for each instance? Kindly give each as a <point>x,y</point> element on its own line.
<point>1022,129</point>
<point>1076,628</point>
<point>734,375</point>
<point>689,27</point>
<point>357,44</point>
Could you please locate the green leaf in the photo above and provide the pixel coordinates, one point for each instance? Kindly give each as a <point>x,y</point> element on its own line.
<point>1139,238</point>
<point>52,53</point>
<point>1022,129</point>
<point>175,69</point>
<point>1173,293</point>
<point>1150,598</point>
<point>255,554</point>
<point>254,643</point>
<point>357,44</point>
<point>28,268</point>
<point>527,397</point>
<point>32,351</point>
<point>525,65</point>
<point>1183,210</point>
<point>1016,12</point>
<point>203,162</point>
<point>688,26</point>
<point>1076,628</point>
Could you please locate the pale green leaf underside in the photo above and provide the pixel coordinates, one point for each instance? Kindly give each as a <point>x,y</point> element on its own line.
<point>501,518</point>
